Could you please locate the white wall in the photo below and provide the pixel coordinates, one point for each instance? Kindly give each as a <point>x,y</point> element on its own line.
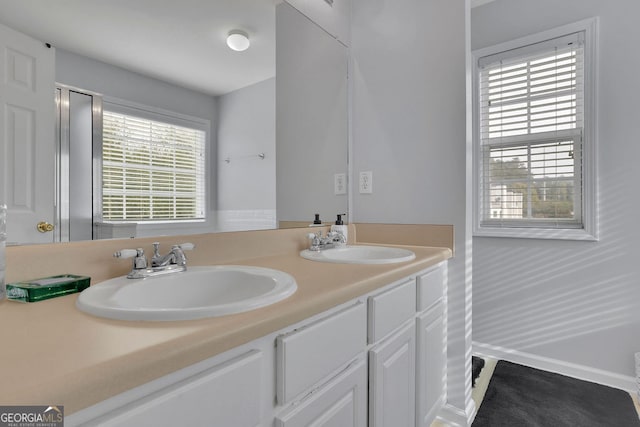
<point>576,303</point>
<point>409,129</point>
<point>247,184</point>
<point>333,17</point>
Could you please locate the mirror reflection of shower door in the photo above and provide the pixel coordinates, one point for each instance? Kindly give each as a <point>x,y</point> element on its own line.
<point>80,134</point>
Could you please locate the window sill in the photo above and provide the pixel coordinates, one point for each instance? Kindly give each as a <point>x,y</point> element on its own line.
<point>536,233</point>
<point>155,222</point>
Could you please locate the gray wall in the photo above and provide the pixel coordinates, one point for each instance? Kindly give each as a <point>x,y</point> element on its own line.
<point>247,184</point>
<point>311,118</point>
<point>409,129</point>
<point>246,127</point>
<point>109,80</point>
<point>576,303</point>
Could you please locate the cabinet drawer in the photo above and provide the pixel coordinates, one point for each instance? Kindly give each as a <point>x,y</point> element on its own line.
<point>430,288</point>
<point>390,309</point>
<point>220,389</point>
<point>308,355</point>
<point>341,402</point>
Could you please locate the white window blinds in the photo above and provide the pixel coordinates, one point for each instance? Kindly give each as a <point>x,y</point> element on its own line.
<point>152,170</point>
<point>531,124</point>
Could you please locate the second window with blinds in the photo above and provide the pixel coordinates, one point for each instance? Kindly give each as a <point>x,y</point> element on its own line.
<point>534,139</point>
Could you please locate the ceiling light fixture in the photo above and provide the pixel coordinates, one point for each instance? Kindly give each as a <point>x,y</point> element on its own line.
<point>238,40</point>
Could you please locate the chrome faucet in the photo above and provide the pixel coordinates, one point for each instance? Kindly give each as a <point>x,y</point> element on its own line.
<point>331,240</point>
<point>175,256</point>
<point>173,262</point>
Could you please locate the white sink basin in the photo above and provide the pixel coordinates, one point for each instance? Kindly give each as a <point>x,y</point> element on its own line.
<point>196,293</point>
<point>360,254</point>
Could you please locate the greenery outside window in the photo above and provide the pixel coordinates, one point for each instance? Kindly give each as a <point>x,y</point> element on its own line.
<point>534,137</point>
<point>152,170</point>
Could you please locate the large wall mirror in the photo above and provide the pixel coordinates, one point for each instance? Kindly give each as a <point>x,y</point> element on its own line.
<point>276,114</point>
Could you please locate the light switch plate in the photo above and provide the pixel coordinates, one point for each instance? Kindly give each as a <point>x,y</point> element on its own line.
<point>340,183</point>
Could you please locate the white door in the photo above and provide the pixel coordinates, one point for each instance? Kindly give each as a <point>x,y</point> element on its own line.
<point>27,143</point>
<point>392,380</point>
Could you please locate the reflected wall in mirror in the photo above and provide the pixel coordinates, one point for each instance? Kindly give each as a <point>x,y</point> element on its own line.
<point>150,64</point>
<point>311,120</point>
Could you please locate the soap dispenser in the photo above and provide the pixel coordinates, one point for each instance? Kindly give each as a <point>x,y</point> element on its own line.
<point>340,227</point>
<point>316,222</point>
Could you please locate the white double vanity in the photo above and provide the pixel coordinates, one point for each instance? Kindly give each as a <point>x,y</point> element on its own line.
<point>376,360</point>
<point>355,345</point>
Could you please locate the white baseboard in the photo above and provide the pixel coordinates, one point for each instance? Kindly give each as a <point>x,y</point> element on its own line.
<point>456,417</point>
<point>574,370</point>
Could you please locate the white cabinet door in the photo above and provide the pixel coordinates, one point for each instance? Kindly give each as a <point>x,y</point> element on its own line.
<point>340,403</point>
<point>392,381</point>
<point>228,394</point>
<point>431,365</point>
<point>27,144</point>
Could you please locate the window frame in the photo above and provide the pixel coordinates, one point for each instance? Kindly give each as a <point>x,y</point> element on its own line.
<point>121,106</point>
<point>528,229</point>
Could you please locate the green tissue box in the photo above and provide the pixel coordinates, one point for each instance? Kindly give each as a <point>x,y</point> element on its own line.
<point>47,287</point>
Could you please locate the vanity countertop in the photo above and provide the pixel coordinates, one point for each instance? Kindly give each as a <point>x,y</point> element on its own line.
<point>54,354</point>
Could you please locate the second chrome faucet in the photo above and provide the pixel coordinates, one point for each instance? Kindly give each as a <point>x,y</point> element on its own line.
<point>331,240</point>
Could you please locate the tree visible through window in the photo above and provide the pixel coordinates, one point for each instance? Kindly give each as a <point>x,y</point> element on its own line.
<point>151,170</point>
<point>542,178</point>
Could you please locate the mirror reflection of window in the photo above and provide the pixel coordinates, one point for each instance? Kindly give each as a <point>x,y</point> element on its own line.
<point>151,170</point>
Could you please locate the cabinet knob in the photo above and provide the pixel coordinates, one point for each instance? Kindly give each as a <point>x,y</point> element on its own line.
<point>44,227</point>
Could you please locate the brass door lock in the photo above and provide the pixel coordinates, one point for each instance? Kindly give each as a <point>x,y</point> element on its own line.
<point>44,227</point>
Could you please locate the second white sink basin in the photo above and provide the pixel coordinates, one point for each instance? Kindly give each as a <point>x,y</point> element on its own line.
<point>360,254</point>
<point>196,293</point>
